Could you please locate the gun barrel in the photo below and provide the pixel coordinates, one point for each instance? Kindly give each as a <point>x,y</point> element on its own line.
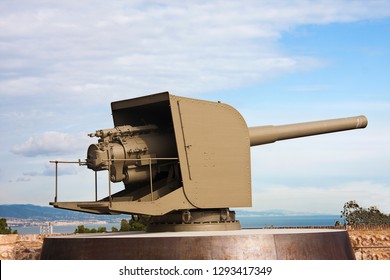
<point>261,135</point>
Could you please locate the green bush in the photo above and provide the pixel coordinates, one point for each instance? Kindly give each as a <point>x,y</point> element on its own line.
<point>354,215</point>
<point>83,229</point>
<point>5,229</point>
<point>134,224</point>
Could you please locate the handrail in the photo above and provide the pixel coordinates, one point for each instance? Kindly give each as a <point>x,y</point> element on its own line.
<point>109,174</point>
<point>56,179</point>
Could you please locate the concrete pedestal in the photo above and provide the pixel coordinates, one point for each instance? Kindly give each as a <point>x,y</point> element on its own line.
<point>246,244</point>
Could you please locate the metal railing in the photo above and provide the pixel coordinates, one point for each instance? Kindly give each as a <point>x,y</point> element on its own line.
<point>56,173</point>
<point>82,163</point>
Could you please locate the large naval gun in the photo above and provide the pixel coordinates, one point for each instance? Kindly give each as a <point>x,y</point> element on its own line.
<point>185,162</point>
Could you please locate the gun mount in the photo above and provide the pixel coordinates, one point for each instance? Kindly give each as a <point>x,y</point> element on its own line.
<point>183,161</point>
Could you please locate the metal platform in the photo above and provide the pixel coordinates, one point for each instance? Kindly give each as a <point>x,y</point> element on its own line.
<point>246,244</point>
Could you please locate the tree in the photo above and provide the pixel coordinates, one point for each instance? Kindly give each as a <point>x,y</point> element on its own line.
<point>124,225</point>
<point>82,229</point>
<point>114,229</point>
<point>4,228</point>
<point>136,223</point>
<point>102,229</point>
<point>353,215</point>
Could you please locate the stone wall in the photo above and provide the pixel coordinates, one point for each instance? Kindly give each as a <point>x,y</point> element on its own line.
<point>371,244</point>
<point>21,246</point>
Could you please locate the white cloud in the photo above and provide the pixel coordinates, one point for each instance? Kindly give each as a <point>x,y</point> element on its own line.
<point>50,143</point>
<point>49,170</point>
<point>141,47</point>
<point>22,179</point>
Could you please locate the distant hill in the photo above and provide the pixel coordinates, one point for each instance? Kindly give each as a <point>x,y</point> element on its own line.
<point>45,213</point>
<point>274,212</point>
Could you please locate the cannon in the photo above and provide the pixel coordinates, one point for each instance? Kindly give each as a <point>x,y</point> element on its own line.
<point>184,162</point>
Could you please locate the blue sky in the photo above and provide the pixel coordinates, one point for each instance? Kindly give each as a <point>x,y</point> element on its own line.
<point>277,62</point>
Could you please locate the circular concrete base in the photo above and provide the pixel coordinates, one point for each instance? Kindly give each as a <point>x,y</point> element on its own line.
<point>246,244</point>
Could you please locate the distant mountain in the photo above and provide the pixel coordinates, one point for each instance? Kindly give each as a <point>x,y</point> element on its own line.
<point>274,212</point>
<point>45,213</point>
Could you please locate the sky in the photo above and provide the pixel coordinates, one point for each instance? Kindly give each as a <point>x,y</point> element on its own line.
<point>277,62</point>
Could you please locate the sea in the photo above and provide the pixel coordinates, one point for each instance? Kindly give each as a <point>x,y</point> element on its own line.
<point>246,222</point>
